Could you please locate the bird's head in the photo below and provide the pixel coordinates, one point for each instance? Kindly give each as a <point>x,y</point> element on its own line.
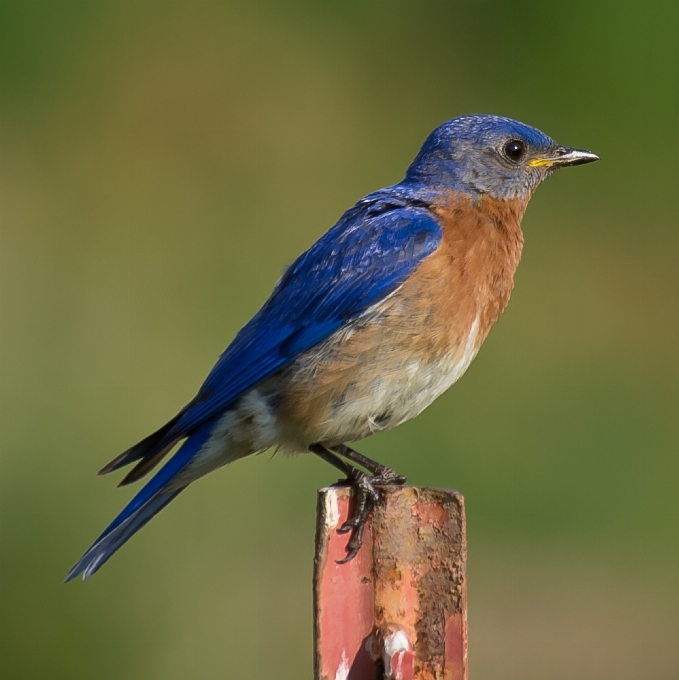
<point>490,155</point>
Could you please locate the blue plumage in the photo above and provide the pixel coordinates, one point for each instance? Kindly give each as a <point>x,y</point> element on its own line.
<point>357,263</point>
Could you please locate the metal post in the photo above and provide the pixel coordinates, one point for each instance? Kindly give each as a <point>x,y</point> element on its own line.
<point>398,610</point>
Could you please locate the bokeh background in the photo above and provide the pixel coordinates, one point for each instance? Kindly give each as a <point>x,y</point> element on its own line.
<point>161,162</point>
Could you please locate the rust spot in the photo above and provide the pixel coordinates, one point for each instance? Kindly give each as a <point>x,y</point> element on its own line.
<point>436,515</point>
<point>419,557</point>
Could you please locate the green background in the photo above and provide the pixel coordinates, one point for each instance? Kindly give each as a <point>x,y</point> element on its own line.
<point>161,162</point>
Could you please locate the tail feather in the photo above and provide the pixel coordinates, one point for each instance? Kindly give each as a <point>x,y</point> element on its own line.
<point>147,449</point>
<point>108,543</point>
<point>146,465</point>
<point>150,500</point>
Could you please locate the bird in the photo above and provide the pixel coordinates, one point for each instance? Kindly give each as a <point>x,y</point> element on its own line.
<point>364,330</point>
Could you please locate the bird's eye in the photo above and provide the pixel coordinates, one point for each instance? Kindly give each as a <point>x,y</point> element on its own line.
<point>514,149</point>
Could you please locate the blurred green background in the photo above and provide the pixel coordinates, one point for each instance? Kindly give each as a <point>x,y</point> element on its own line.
<point>161,162</point>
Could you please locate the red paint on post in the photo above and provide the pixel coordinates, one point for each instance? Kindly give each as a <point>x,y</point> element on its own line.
<point>344,598</point>
<point>456,646</point>
<point>398,610</point>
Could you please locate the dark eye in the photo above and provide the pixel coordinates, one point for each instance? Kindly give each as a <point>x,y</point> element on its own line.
<point>515,149</point>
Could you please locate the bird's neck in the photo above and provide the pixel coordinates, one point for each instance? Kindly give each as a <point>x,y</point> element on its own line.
<point>481,218</point>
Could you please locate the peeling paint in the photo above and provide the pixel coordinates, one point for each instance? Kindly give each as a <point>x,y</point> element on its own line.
<point>343,669</point>
<point>332,513</point>
<point>394,650</point>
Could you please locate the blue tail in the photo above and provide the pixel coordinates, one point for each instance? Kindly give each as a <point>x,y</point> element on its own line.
<point>147,503</point>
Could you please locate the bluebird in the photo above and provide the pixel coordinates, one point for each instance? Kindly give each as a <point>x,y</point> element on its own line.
<point>365,329</point>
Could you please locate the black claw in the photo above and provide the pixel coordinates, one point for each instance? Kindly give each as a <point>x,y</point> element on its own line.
<point>366,497</point>
<point>354,545</point>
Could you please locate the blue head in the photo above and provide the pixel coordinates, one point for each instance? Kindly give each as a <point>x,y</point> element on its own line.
<point>490,155</point>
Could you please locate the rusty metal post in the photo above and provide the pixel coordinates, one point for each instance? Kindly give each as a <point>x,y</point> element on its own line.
<point>398,610</point>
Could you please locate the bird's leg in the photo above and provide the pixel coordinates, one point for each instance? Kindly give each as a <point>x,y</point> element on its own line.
<point>366,493</point>
<point>366,497</point>
<point>381,473</point>
<point>352,473</point>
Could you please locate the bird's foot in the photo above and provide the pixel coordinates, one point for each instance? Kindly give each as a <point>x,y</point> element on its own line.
<point>365,485</point>
<point>387,477</point>
<point>367,496</point>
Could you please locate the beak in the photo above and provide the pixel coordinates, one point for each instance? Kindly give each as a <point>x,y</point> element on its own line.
<point>564,156</point>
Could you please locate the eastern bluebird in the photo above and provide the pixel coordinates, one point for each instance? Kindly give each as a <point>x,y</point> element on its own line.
<point>366,328</point>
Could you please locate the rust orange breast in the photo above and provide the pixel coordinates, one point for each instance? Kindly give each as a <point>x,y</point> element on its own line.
<point>471,275</point>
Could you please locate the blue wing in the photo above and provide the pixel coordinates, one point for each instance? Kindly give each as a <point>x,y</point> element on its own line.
<point>362,259</point>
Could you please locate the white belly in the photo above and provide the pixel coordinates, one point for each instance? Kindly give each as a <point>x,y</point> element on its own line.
<point>396,395</point>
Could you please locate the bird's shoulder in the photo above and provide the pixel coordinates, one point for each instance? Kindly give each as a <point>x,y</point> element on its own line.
<point>368,251</point>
